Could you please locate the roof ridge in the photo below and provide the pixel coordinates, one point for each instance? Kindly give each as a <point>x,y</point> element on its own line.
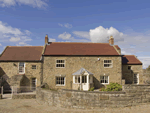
<point>79,42</point>
<point>25,46</point>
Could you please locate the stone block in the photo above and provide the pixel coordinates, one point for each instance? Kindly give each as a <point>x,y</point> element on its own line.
<point>104,97</point>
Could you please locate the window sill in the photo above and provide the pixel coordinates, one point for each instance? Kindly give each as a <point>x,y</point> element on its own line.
<point>60,85</point>
<point>104,83</point>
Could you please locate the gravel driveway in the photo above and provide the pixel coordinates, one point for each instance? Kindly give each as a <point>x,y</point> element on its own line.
<point>31,106</point>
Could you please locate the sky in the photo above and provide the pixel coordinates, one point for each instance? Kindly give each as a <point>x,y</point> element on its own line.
<point>26,23</point>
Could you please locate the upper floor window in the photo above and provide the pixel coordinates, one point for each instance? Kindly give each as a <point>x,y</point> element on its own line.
<point>129,67</point>
<point>33,66</point>
<point>21,67</point>
<point>60,63</point>
<point>108,63</point>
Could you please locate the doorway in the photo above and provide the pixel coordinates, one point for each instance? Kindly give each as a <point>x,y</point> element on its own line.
<point>136,78</point>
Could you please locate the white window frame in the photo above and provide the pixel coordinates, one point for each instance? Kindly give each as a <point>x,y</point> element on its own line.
<point>108,63</point>
<point>60,63</point>
<point>104,80</point>
<point>60,84</point>
<point>35,66</point>
<point>74,79</point>
<point>24,68</point>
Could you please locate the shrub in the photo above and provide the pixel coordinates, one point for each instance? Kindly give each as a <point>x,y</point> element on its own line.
<point>91,89</point>
<point>112,87</point>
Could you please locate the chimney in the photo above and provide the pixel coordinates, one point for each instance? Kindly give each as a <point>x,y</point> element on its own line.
<point>46,39</point>
<point>111,40</point>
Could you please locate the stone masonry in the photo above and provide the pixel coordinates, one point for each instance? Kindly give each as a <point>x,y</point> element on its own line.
<point>130,96</point>
<point>74,63</point>
<point>10,69</point>
<point>128,74</point>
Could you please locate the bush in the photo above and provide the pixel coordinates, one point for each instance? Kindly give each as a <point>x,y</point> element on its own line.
<point>91,89</point>
<point>112,87</point>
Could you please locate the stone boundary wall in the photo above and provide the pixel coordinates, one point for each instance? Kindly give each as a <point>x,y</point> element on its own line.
<point>131,95</point>
<point>24,96</point>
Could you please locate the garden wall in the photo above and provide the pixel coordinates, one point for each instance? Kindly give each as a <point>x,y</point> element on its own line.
<point>132,95</point>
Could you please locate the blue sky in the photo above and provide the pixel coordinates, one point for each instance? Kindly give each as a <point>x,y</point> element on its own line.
<point>26,22</point>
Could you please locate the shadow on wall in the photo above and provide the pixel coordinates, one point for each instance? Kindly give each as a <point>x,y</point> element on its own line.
<point>4,81</point>
<point>97,84</point>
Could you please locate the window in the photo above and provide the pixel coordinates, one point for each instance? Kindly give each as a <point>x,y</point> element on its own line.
<point>136,78</point>
<point>33,66</point>
<point>84,79</point>
<point>60,80</point>
<point>60,63</point>
<point>77,79</point>
<point>21,67</point>
<point>129,67</point>
<point>107,63</point>
<point>104,79</point>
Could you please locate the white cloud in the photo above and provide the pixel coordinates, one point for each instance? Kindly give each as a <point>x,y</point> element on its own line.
<point>64,36</point>
<point>0,44</point>
<point>33,3</point>
<point>52,40</point>
<point>145,61</point>
<point>67,25</point>
<point>8,33</point>
<point>23,44</point>
<point>14,39</point>
<point>101,34</point>
<point>82,34</point>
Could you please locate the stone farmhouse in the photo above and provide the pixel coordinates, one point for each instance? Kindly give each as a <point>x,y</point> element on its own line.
<point>69,65</point>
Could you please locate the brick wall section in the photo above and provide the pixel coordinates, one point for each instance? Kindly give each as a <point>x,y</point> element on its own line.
<point>128,74</point>
<point>73,64</point>
<point>132,95</point>
<point>10,70</point>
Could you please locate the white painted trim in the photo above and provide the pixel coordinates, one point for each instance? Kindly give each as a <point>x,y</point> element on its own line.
<point>108,63</point>
<point>24,68</point>
<point>60,63</point>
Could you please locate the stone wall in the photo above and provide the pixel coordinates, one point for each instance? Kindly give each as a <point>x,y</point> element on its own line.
<point>74,63</point>
<point>131,95</point>
<point>128,74</point>
<point>11,68</point>
<point>24,96</point>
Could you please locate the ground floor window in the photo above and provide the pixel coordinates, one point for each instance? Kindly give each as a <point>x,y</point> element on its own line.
<point>60,80</point>
<point>104,79</point>
<point>77,79</point>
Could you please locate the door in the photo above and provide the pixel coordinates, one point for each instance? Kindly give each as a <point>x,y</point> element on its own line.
<point>136,78</point>
<point>84,82</point>
<point>33,83</point>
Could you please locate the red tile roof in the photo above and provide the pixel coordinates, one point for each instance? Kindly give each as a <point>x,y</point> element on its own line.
<point>22,53</point>
<point>130,59</point>
<point>69,48</point>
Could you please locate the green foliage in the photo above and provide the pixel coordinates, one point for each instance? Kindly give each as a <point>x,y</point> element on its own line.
<point>148,69</point>
<point>112,87</point>
<point>91,89</point>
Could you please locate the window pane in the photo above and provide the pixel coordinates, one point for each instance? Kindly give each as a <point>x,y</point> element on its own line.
<point>85,79</point>
<point>106,81</point>
<point>106,77</point>
<point>82,79</point>
<point>78,79</point>
<point>75,79</point>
